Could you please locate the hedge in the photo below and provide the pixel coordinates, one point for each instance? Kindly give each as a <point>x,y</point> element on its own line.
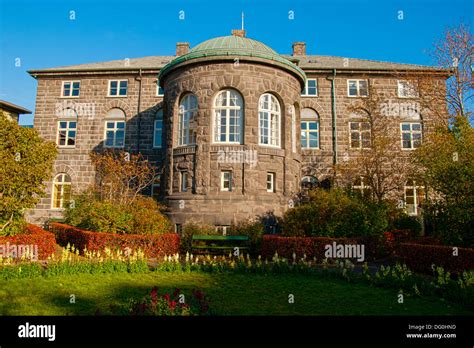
<point>310,246</point>
<point>419,257</point>
<point>35,236</point>
<point>153,245</point>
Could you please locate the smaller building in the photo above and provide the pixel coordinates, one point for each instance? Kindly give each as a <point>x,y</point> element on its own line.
<point>13,111</point>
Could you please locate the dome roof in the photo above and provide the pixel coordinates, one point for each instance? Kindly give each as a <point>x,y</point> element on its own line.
<point>231,47</point>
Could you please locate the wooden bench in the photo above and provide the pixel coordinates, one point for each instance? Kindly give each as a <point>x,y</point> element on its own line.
<point>219,243</point>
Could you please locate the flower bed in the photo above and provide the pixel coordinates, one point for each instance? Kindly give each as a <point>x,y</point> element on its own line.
<point>420,258</point>
<point>152,245</point>
<point>35,239</point>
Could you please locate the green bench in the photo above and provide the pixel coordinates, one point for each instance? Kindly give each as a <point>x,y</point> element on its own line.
<point>219,243</point>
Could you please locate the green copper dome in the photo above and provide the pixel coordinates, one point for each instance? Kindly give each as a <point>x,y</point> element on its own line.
<point>231,47</point>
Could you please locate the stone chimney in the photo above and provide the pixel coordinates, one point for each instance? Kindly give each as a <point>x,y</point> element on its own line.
<point>238,32</point>
<point>299,48</point>
<point>182,48</point>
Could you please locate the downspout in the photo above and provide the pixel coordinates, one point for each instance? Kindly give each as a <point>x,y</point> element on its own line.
<point>333,110</point>
<point>139,122</point>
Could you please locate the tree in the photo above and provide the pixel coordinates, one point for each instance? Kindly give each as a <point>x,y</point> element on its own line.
<point>121,177</point>
<point>378,162</point>
<point>26,162</point>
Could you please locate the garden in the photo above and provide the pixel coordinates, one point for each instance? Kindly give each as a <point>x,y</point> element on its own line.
<point>115,251</point>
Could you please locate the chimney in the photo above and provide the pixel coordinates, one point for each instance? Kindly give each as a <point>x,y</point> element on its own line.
<point>182,48</point>
<point>238,32</point>
<point>299,48</point>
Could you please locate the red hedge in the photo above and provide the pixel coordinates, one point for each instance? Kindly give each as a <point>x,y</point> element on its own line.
<point>419,257</point>
<point>311,246</point>
<point>153,245</point>
<point>34,236</point>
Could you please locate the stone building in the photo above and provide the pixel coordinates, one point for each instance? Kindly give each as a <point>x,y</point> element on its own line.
<point>13,111</point>
<point>234,126</point>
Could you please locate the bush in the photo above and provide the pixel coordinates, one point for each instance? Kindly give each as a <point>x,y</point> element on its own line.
<point>152,245</point>
<point>251,228</point>
<point>334,213</point>
<point>142,216</point>
<point>33,235</point>
<point>402,221</point>
<point>420,257</point>
<point>191,228</point>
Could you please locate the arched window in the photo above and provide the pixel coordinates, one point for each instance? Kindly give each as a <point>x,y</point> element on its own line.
<point>413,196</point>
<point>115,128</point>
<point>292,111</point>
<point>61,191</point>
<point>309,129</point>
<point>158,129</point>
<point>228,117</point>
<point>188,108</point>
<point>269,115</point>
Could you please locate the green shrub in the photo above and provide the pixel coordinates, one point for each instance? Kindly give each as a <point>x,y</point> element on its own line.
<point>333,213</point>
<point>191,228</point>
<point>402,221</point>
<point>142,216</point>
<point>252,228</point>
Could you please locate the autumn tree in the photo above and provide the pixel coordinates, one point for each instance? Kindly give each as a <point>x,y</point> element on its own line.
<point>26,163</point>
<point>121,176</point>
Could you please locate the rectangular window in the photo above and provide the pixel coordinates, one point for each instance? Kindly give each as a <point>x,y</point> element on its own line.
<point>159,91</point>
<point>270,182</point>
<point>226,181</point>
<point>223,229</point>
<point>115,134</point>
<point>311,88</point>
<point>309,134</point>
<point>360,135</point>
<point>184,181</point>
<point>156,187</point>
<point>357,88</point>
<point>411,134</point>
<point>406,89</point>
<point>158,130</point>
<point>67,133</point>
<point>118,88</point>
<point>71,88</point>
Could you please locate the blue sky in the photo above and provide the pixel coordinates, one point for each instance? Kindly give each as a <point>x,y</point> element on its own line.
<point>41,34</point>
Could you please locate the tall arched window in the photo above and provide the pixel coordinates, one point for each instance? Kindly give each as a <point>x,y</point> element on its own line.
<point>309,129</point>
<point>61,192</point>
<point>188,108</point>
<point>228,117</point>
<point>114,128</point>
<point>269,116</point>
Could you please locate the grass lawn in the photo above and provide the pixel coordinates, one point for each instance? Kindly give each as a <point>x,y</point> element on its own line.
<point>231,294</point>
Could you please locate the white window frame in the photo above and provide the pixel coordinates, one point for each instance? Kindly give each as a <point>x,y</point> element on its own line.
<point>271,181</point>
<point>359,131</point>
<point>183,181</point>
<point>158,89</point>
<point>416,202</point>
<point>362,188</point>
<point>118,89</point>
<point>216,120</point>
<point>358,88</point>
<point>67,129</point>
<point>306,88</point>
<point>115,129</point>
<point>404,87</point>
<point>223,229</point>
<point>274,121</point>
<point>71,89</point>
<point>187,115</point>
<point>224,180</point>
<point>411,132</point>
<point>61,184</point>
<point>157,120</point>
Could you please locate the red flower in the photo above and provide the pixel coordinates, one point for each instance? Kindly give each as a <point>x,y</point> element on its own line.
<point>166,297</point>
<point>172,305</point>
